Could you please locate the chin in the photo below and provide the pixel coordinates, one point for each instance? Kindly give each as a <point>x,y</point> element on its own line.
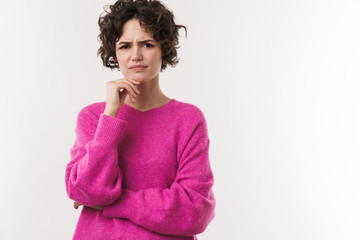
<point>134,76</point>
<point>141,78</point>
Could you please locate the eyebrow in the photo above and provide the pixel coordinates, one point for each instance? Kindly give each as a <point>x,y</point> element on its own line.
<point>145,41</point>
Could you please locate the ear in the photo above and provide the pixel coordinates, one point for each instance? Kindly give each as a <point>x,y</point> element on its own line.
<point>116,62</point>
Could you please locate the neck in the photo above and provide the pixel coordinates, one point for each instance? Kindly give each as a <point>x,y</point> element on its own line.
<point>150,95</point>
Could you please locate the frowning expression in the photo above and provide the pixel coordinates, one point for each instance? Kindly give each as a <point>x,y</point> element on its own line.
<point>138,54</point>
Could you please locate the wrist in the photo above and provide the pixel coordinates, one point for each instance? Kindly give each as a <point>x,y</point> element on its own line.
<point>111,113</point>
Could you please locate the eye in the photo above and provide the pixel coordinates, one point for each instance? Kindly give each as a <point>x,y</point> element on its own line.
<point>148,45</point>
<point>123,47</point>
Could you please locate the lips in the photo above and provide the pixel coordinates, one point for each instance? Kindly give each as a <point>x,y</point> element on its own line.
<point>138,67</point>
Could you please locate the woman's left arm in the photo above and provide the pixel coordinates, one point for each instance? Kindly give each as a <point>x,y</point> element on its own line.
<point>188,206</point>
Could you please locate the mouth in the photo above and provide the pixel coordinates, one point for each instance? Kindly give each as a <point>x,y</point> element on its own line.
<point>138,68</point>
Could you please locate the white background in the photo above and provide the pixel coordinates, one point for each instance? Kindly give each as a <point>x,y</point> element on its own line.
<point>278,82</point>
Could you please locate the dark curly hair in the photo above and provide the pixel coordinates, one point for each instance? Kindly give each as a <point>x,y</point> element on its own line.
<point>153,16</point>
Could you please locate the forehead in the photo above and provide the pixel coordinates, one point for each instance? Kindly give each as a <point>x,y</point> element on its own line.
<point>133,31</point>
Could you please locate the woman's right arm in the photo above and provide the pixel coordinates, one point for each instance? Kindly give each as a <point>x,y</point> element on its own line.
<point>93,176</point>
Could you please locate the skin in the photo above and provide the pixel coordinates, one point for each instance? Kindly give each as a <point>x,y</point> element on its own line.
<point>133,49</point>
<point>148,54</point>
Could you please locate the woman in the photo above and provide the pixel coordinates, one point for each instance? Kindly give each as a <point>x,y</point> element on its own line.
<point>140,165</point>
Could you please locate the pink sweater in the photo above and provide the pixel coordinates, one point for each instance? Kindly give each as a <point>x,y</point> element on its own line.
<point>150,170</point>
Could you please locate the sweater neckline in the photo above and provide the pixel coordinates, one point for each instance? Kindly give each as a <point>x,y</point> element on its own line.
<point>131,109</point>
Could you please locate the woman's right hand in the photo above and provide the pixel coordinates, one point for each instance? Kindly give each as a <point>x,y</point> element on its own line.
<point>115,97</point>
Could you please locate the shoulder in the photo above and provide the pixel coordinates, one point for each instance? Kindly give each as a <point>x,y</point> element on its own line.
<point>89,115</point>
<point>189,112</point>
<point>191,125</point>
<point>189,118</point>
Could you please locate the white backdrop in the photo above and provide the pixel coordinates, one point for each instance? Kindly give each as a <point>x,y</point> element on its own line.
<point>278,82</point>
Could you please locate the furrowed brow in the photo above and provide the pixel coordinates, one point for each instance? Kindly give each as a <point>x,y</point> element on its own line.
<point>145,41</point>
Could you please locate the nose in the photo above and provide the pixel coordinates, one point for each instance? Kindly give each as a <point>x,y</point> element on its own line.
<point>136,54</point>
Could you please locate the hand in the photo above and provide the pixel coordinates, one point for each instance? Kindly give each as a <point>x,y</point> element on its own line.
<point>116,94</point>
<point>76,206</point>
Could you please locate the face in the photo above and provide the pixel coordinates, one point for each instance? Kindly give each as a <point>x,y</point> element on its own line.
<point>138,48</point>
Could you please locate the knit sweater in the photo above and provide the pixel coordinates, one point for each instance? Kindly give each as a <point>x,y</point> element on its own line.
<point>150,170</point>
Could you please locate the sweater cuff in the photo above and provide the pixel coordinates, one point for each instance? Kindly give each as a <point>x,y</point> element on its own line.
<point>124,207</point>
<point>109,129</point>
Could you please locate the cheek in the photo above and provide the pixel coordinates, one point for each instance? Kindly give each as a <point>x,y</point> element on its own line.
<point>158,59</point>
<point>157,63</point>
<point>122,64</point>
<point>121,57</point>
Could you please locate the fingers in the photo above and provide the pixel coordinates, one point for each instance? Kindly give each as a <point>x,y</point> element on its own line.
<point>124,83</point>
<point>76,205</point>
<point>133,81</point>
<point>132,98</point>
<point>117,90</point>
<point>131,92</point>
<point>132,89</point>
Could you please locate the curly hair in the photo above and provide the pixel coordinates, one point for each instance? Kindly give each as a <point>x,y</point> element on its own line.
<point>153,16</point>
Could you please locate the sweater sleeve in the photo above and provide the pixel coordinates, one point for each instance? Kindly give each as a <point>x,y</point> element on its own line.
<point>93,177</point>
<point>184,209</point>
